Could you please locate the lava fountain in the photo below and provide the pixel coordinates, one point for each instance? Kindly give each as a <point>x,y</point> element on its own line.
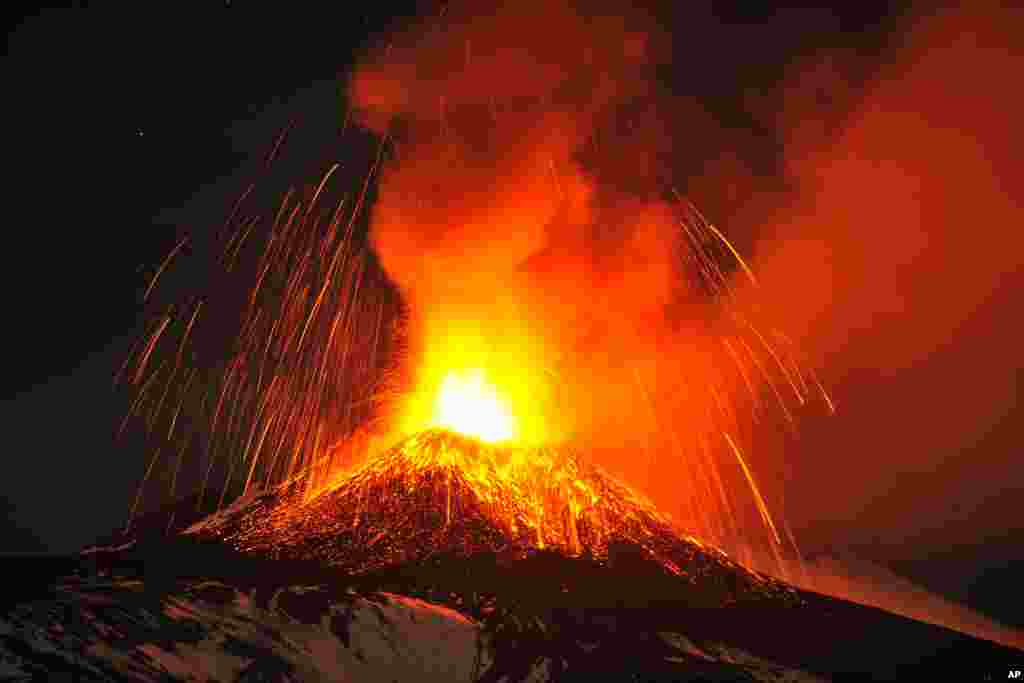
<point>467,404</point>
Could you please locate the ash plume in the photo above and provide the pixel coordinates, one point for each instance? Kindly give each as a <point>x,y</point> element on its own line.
<point>488,205</point>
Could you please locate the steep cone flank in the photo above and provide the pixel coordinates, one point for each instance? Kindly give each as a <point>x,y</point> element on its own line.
<point>438,493</point>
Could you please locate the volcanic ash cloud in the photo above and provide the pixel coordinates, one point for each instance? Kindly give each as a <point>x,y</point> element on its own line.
<point>491,216</point>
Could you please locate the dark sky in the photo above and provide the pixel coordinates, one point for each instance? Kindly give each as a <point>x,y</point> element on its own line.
<point>122,126</point>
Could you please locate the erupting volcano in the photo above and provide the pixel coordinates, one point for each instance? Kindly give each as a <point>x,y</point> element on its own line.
<point>495,358</point>
<point>488,293</point>
<point>440,493</point>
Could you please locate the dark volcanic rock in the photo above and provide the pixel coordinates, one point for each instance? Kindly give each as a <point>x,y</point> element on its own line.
<point>215,614</point>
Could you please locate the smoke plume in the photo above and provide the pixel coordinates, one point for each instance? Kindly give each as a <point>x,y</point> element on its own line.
<point>896,265</point>
<point>506,209</point>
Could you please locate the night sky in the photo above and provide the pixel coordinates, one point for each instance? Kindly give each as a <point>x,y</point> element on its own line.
<point>124,126</point>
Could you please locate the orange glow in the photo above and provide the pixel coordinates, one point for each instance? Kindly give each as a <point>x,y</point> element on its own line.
<point>481,378</point>
<point>535,497</point>
<point>467,404</point>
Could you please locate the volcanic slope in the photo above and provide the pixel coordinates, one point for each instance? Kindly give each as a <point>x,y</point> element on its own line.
<point>440,494</point>
<point>447,559</point>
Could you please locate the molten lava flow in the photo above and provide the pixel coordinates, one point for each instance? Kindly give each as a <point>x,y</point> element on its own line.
<point>467,404</point>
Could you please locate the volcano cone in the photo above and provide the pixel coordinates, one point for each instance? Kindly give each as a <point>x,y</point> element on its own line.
<point>440,493</point>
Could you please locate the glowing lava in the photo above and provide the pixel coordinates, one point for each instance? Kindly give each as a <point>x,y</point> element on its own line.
<point>469,405</point>
<point>483,380</point>
<point>437,491</point>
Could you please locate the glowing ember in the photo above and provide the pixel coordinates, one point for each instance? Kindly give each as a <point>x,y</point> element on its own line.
<point>467,404</point>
